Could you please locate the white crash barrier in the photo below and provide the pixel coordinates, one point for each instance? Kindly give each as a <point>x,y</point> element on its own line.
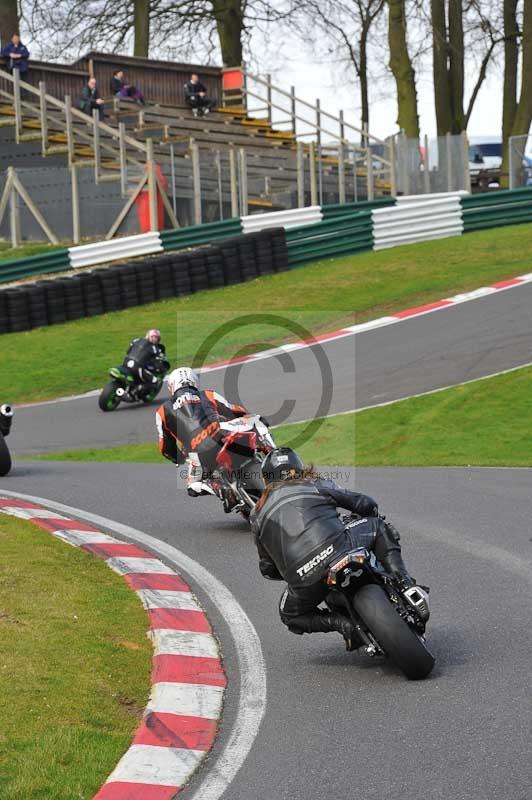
<point>86,255</point>
<point>417,220</point>
<point>282,219</point>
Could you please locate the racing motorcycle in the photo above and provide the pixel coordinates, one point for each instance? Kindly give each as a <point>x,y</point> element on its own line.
<point>238,480</point>
<point>127,384</point>
<point>6,418</point>
<point>387,622</point>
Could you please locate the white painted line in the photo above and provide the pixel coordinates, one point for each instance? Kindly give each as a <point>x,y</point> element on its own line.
<point>159,766</point>
<point>167,641</point>
<point>125,564</point>
<point>79,538</point>
<point>188,699</point>
<point>158,598</point>
<point>252,670</point>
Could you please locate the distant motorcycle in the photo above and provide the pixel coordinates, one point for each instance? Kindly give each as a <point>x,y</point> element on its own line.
<point>386,622</point>
<point>6,418</point>
<point>132,383</point>
<point>238,480</point>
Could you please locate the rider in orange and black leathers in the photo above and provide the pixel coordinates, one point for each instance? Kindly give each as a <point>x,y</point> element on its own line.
<point>189,425</point>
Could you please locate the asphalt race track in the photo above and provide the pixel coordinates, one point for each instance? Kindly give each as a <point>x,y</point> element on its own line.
<point>460,343</point>
<point>339,724</point>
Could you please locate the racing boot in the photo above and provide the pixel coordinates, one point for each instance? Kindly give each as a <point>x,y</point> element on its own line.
<point>196,487</point>
<point>324,622</point>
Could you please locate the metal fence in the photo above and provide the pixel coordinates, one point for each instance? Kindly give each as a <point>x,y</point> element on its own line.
<point>519,161</point>
<point>432,166</point>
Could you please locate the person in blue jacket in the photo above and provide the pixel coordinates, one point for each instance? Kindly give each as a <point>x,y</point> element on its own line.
<point>16,54</point>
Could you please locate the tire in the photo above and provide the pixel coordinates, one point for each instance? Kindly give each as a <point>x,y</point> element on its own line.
<point>397,639</point>
<point>5,457</point>
<point>108,401</point>
<point>152,395</point>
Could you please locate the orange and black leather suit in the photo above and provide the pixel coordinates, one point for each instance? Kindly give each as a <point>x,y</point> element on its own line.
<point>190,422</point>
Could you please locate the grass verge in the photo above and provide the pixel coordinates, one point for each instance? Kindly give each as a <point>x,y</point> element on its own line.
<point>485,423</point>
<point>75,664</point>
<point>75,357</point>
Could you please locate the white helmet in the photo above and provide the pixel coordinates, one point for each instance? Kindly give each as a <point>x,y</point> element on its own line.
<point>182,376</point>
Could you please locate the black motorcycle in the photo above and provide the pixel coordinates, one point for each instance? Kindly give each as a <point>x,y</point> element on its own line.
<point>132,383</point>
<point>386,622</point>
<point>6,418</point>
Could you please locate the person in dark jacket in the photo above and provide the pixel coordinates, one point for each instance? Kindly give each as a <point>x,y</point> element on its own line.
<point>149,355</point>
<point>90,99</point>
<point>120,88</point>
<point>188,425</point>
<point>299,533</point>
<point>16,55</point>
<point>196,96</point>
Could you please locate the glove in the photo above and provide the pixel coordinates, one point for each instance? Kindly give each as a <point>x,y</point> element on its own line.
<point>264,421</point>
<point>370,507</point>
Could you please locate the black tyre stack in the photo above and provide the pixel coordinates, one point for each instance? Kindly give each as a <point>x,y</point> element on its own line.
<point>145,281</point>
<point>248,257</point>
<point>110,283</point>
<point>4,318</point>
<point>231,260</point>
<point>92,293</point>
<point>17,309</point>
<point>181,274</point>
<point>74,302</point>
<point>127,279</point>
<point>164,278</point>
<point>237,259</point>
<point>198,271</point>
<point>38,309</point>
<point>279,249</point>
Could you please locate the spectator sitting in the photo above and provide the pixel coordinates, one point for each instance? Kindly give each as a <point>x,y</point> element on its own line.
<point>119,88</point>
<point>90,99</point>
<point>16,55</point>
<point>196,96</point>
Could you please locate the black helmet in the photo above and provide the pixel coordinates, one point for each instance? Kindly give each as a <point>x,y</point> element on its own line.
<point>281,464</point>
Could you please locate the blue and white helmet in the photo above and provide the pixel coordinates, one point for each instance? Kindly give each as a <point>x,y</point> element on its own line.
<point>181,377</point>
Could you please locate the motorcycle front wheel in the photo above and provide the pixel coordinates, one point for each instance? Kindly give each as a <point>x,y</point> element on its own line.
<point>5,457</point>
<point>400,643</point>
<point>109,399</point>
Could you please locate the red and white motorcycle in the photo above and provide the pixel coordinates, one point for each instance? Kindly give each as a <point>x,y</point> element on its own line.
<point>238,480</point>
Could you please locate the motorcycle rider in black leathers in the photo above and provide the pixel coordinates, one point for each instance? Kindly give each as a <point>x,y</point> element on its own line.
<point>296,520</point>
<point>188,426</point>
<point>6,418</point>
<point>149,355</point>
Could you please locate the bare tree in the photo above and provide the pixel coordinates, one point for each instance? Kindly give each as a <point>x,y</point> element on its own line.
<point>343,27</point>
<point>9,23</point>
<point>198,28</point>
<point>402,69</point>
<point>141,27</point>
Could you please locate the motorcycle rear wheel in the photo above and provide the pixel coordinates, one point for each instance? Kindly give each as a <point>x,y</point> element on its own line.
<point>108,399</point>
<point>394,635</point>
<point>5,457</point>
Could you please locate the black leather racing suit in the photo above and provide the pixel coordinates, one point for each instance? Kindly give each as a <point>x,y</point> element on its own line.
<point>150,359</point>
<point>190,422</point>
<point>298,533</point>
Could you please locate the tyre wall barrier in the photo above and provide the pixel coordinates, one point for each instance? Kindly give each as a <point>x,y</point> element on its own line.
<point>120,286</point>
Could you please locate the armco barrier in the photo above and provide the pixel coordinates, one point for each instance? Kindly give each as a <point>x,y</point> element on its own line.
<point>332,237</point>
<point>496,209</point>
<point>92,292</point>
<point>416,221</point>
<point>193,235</point>
<point>87,255</point>
<point>17,268</point>
<point>287,219</point>
<point>341,209</point>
